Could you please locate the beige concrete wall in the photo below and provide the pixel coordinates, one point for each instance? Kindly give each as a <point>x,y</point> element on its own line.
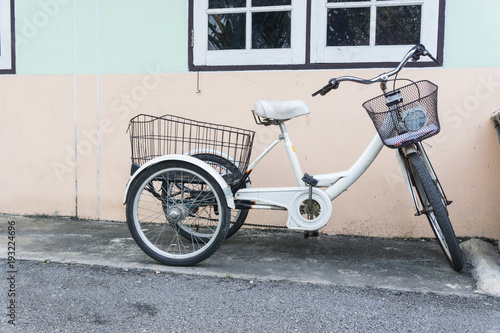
<point>38,130</point>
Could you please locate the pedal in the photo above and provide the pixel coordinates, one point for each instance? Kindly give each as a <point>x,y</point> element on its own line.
<point>310,180</point>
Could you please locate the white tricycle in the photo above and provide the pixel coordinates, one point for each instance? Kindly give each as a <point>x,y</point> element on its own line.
<point>190,187</point>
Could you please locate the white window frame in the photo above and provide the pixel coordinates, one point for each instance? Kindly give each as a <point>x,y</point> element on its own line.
<point>6,61</point>
<point>320,53</point>
<point>296,54</point>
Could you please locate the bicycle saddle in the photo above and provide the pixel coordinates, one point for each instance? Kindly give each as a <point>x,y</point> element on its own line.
<point>280,110</point>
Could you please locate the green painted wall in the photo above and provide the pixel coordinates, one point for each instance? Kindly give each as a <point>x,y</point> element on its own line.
<point>132,36</point>
<point>136,34</point>
<point>44,37</point>
<point>472,36</point>
<point>109,36</point>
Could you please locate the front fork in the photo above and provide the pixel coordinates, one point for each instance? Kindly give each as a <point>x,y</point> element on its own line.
<point>402,154</point>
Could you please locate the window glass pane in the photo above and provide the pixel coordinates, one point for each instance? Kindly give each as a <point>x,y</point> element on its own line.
<point>226,3</point>
<point>398,25</point>
<point>348,27</point>
<point>226,31</point>
<point>271,30</point>
<point>261,3</point>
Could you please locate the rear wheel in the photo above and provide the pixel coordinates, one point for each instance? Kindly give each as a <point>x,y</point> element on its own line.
<point>177,213</point>
<point>231,174</point>
<point>434,207</point>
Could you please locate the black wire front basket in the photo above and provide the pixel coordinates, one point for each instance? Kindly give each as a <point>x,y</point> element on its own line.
<point>152,136</point>
<point>406,115</point>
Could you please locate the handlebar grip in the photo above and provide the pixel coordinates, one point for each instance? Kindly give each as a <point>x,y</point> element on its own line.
<point>322,91</point>
<point>326,89</point>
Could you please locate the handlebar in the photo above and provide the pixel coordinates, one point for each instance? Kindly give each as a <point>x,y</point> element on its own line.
<point>415,53</point>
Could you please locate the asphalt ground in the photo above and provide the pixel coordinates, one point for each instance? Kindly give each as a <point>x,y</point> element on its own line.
<point>415,265</point>
<point>55,297</point>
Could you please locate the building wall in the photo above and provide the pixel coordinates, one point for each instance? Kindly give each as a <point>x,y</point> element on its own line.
<point>85,68</point>
<point>470,34</point>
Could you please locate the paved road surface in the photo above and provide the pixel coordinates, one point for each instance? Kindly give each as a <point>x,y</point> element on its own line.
<point>57,297</point>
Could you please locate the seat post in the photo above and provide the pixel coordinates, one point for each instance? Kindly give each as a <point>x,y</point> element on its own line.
<point>292,156</point>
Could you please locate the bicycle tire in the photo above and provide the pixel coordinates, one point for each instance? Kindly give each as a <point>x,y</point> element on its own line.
<point>156,210</point>
<point>436,212</point>
<point>231,174</point>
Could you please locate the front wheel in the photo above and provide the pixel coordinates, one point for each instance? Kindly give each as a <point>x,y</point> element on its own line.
<point>435,209</point>
<point>173,199</point>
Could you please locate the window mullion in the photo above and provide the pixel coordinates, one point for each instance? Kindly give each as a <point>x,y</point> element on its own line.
<point>400,3</point>
<point>362,4</point>
<point>373,24</point>
<point>271,9</point>
<point>216,11</point>
<point>248,33</point>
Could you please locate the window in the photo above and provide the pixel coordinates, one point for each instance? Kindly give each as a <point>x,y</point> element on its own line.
<point>372,31</point>
<point>6,37</point>
<point>249,32</point>
<point>311,33</point>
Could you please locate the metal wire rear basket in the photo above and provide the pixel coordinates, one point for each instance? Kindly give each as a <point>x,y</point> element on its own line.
<point>406,115</point>
<point>152,136</point>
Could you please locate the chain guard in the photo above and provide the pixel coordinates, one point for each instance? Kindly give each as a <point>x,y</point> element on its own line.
<point>298,219</point>
<point>292,199</point>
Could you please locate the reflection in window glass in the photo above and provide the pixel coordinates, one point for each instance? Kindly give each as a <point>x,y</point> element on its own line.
<point>271,30</point>
<point>399,25</point>
<point>226,3</point>
<point>348,27</point>
<point>261,3</point>
<point>226,31</point>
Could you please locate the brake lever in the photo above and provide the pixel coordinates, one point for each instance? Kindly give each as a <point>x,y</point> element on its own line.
<point>422,51</point>
<point>434,59</point>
